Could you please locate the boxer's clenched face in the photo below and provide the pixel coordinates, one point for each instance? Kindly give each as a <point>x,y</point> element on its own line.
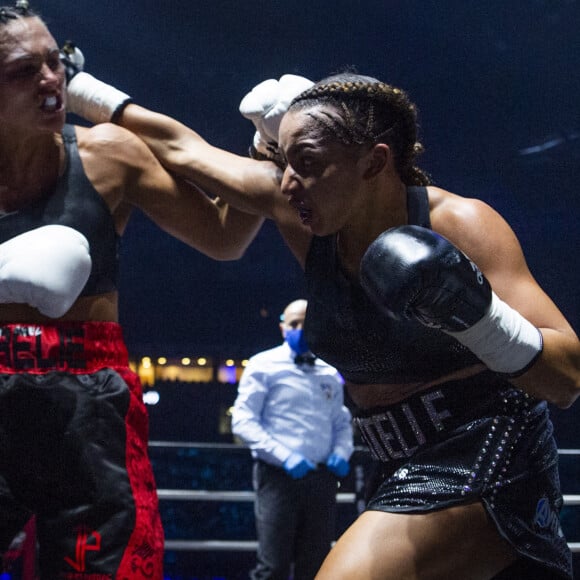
<point>324,179</point>
<point>32,78</point>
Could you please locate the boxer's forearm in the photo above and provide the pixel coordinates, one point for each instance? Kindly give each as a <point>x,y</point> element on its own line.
<point>249,185</point>
<point>556,374</point>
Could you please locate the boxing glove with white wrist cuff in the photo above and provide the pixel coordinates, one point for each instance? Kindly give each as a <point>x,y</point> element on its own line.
<point>412,272</point>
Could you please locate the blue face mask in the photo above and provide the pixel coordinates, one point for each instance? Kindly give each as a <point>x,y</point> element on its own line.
<point>296,341</point>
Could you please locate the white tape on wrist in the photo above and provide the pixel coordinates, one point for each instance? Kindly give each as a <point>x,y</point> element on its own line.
<point>503,339</point>
<point>261,144</point>
<point>93,99</point>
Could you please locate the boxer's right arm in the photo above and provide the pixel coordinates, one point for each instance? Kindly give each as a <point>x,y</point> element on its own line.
<point>264,105</point>
<point>246,184</point>
<point>94,100</point>
<point>87,96</point>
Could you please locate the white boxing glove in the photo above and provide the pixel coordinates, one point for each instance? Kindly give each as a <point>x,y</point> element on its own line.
<point>46,268</point>
<point>87,96</point>
<point>265,106</point>
<point>95,100</point>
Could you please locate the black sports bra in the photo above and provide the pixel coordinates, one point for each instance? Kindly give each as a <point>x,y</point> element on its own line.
<point>75,203</point>
<point>345,329</point>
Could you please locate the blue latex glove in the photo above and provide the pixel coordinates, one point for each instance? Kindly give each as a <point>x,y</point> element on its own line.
<point>297,466</point>
<point>338,465</point>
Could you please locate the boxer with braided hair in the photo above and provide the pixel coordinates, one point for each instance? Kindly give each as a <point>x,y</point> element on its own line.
<point>371,112</point>
<point>73,426</point>
<point>423,300</point>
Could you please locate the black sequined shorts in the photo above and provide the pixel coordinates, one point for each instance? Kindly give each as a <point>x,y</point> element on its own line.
<point>441,448</point>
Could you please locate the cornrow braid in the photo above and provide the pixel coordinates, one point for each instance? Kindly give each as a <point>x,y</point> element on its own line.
<point>20,10</point>
<point>369,112</point>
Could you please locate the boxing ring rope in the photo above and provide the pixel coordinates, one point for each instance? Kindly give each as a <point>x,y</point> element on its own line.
<point>28,555</point>
<point>249,545</point>
<point>245,546</point>
<point>248,496</point>
<point>202,495</point>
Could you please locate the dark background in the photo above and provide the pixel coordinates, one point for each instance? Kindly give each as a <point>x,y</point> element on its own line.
<point>497,88</point>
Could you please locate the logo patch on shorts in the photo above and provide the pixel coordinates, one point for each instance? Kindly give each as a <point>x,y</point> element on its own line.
<point>546,517</point>
<point>86,542</point>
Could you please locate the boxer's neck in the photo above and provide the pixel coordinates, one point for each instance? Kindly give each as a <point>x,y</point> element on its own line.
<point>384,207</point>
<point>29,170</point>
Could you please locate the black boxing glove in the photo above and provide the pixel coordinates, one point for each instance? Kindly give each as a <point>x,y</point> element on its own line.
<point>414,273</point>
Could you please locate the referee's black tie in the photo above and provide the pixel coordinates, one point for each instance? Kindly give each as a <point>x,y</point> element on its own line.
<point>305,359</point>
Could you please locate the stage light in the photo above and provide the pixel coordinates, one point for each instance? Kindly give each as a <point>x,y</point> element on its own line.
<point>151,397</point>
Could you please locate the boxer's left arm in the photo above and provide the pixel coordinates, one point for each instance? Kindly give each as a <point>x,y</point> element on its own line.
<point>250,185</point>
<point>483,235</point>
<point>501,331</point>
<point>125,171</point>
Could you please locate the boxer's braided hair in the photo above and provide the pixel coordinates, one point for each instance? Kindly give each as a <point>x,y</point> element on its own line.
<point>20,10</point>
<point>369,112</point>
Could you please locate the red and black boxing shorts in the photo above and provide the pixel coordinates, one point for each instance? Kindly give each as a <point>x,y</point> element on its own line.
<point>73,452</point>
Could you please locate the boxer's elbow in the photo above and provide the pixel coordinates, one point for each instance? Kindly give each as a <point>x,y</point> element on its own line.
<point>564,398</point>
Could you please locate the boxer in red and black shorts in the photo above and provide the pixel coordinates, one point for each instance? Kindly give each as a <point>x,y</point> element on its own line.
<point>73,428</point>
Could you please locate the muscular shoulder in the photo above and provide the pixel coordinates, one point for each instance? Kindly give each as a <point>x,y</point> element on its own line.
<point>445,205</point>
<point>114,159</point>
<point>464,220</point>
<point>110,142</point>
<point>475,228</point>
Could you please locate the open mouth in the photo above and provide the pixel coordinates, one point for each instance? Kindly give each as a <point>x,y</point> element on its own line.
<point>51,104</point>
<point>304,212</point>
